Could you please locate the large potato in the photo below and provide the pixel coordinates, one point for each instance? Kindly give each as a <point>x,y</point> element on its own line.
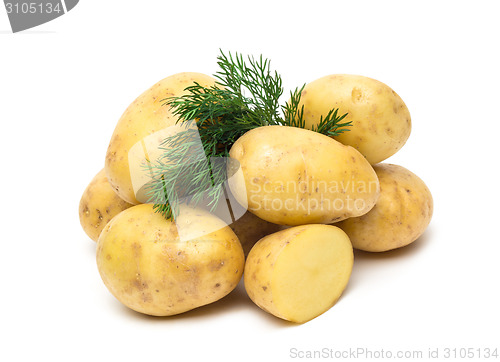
<point>299,273</point>
<point>401,215</point>
<point>249,229</point>
<point>144,117</point>
<point>381,122</point>
<point>98,205</point>
<point>148,267</point>
<point>294,176</point>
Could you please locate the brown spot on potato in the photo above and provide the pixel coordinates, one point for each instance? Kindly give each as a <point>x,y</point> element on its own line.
<point>138,284</point>
<point>146,298</point>
<point>264,288</point>
<point>215,265</point>
<point>356,95</point>
<point>137,249</point>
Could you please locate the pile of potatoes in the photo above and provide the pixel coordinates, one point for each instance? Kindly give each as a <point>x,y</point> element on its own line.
<point>310,200</point>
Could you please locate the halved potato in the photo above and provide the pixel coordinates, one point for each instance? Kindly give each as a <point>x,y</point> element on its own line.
<point>299,273</point>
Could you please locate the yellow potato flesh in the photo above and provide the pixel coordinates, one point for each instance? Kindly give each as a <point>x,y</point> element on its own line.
<point>299,273</point>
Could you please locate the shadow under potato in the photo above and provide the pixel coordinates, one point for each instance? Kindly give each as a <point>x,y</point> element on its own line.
<point>238,300</point>
<point>235,301</point>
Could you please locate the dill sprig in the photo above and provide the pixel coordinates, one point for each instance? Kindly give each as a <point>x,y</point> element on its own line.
<point>193,166</point>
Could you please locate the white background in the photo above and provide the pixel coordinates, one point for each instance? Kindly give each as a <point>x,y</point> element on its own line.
<point>64,84</point>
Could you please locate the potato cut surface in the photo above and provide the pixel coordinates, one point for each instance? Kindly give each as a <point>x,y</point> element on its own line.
<point>299,273</point>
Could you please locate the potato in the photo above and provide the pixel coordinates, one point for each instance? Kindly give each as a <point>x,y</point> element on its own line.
<point>294,176</point>
<point>154,267</point>
<point>401,215</point>
<point>144,117</point>
<point>98,205</point>
<point>299,273</point>
<point>381,123</point>
<point>249,229</point>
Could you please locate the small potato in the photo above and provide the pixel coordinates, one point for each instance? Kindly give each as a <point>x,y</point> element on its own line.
<point>250,228</point>
<point>98,205</point>
<point>144,117</point>
<point>155,267</point>
<point>299,273</point>
<point>381,122</point>
<point>401,215</point>
<point>293,176</point>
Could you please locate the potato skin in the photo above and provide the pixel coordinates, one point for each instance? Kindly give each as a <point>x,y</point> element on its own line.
<point>294,176</point>
<point>259,268</point>
<point>381,122</point>
<point>98,205</point>
<point>146,266</point>
<point>401,215</point>
<point>250,228</point>
<point>145,116</point>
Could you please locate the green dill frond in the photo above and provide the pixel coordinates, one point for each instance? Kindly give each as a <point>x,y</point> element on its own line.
<point>329,125</point>
<point>293,114</point>
<point>253,84</point>
<point>192,168</point>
